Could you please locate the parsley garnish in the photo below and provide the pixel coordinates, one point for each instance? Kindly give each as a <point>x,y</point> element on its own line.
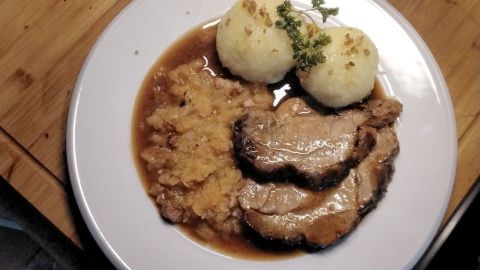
<point>317,4</point>
<point>306,49</point>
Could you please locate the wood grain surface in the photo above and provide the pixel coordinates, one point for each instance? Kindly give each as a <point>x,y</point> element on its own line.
<point>43,45</point>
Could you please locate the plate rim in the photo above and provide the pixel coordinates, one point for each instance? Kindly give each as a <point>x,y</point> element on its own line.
<point>74,175</point>
<point>438,76</point>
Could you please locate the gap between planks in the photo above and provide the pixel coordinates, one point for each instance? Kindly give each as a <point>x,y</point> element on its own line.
<point>38,185</point>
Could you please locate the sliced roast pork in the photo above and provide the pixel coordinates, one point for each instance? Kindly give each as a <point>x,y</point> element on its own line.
<point>286,212</point>
<point>375,171</point>
<point>299,142</point>
<point>291,214</point>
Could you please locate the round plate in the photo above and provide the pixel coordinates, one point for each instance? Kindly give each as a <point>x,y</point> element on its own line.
<point>126,224</point>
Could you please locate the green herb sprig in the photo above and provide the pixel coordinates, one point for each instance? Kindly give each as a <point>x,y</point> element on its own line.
<point>306,49</point>
<point>326,12</point>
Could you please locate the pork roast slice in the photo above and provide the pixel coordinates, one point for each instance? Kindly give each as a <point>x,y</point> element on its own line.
<point>299,142</point>
<point>284,211</point>
<point>375,171</point>
<point>293,214</point>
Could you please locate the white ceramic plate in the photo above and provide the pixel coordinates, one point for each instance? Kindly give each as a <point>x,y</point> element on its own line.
<point>126,224</point>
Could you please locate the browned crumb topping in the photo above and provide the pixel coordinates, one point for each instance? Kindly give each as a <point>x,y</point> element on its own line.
<point>349,65</point>
<point>250,5</point>
<point>247,30</point>
<point>348,40</point>
<point>274,50</point>
<point>264,14</point>
<point>227,23</point>
<point>264,30</point>
<point>359,40</point>
<point>263,11</point>
<point>355,44</point>
<point>353,50</point>
<point>268,21</point>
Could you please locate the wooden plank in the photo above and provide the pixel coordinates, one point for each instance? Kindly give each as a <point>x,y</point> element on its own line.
<point>468,166</point>
<point>405,7</point>
<point>37,81</point>
<point>476,10</point>
<point>36,184</point>
<point>434,18</point>
<point>452,31</point>
<point>19,16</point>
<point>451,44</point>
<point>22,169</point>
<point>466,104</point>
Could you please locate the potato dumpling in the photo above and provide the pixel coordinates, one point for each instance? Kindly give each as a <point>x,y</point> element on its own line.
<point>249,44</point>
<point>348,75</point>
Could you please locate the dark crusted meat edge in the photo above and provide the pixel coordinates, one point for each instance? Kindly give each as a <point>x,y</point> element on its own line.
<point>245,149</point>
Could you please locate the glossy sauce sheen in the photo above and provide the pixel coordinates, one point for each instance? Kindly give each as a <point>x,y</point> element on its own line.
<point>200,43</point>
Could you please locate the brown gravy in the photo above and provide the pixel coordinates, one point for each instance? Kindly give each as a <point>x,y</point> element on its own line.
<point>200,43</point>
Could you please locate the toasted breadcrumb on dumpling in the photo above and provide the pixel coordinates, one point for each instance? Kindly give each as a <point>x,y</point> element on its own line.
<point>249,44</point>
<point>348,75</point>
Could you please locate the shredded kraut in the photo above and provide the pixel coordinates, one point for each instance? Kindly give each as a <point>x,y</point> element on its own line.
<point>191,148</point>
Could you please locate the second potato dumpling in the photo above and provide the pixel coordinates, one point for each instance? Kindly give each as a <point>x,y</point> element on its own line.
<point>348,75</point>
<point>249,44</point>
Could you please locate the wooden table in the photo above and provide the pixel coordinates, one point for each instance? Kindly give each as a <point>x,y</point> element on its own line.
<point>43,45</point>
